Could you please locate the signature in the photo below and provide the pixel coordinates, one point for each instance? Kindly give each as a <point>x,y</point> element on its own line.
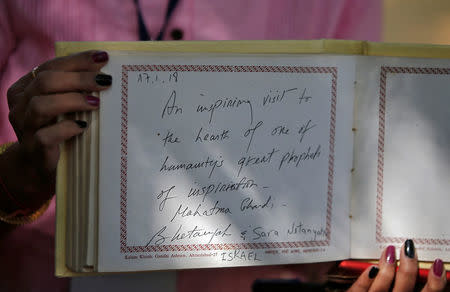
<point>161,236</point>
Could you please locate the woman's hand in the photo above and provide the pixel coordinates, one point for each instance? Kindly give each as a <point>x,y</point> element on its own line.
<point>59,86</point>
<point>385,276</point>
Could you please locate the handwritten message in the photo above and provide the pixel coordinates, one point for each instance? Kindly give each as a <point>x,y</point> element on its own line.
<point>226,158</point>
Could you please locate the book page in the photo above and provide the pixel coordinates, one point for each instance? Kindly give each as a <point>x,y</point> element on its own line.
<point>402,157</point>
<point>224,160</point>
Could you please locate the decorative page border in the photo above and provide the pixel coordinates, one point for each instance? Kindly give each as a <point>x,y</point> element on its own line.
<point>381,133</point>
<point>124,248</point>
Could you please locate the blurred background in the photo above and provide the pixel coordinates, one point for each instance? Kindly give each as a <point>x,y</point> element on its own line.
<point>416,21</point>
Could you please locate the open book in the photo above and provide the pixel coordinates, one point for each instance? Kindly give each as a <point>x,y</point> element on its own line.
<point>221,154</point>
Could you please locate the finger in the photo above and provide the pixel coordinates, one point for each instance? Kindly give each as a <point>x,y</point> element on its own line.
<point>46,140</point>
<point>49,82</point>
<point>17,116</point>
<point>405,279</point>
<point>44,109</point>
<point>85,61</point>
<point>365,280</point>
<point>386,274</point>
<point>57,133</point>
<point>437,277</point>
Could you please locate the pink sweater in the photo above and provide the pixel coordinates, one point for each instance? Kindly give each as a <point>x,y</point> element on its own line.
<point>29,28</point>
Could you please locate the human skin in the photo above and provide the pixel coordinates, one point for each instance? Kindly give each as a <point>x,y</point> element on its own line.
<point>60,86</point>
<point>403,278</point>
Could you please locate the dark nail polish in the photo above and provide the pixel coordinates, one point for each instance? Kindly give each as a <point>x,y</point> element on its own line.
<point>92,100</point>
<point>81,124</point>
<point>103,79</point>
<point>409,249</point>
<point>390,254</point>
<point>100,57</point>
<point>438,267</point>
<point>373,272</point>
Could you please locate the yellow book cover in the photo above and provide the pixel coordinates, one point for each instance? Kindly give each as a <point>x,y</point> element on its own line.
<point>362,81</point>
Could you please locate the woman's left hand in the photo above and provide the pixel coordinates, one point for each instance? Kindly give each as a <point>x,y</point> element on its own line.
<point>386,276</point>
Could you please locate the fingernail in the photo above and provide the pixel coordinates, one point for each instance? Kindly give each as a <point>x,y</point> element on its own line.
<point>100,57</point>
<point>373,272</point>
<point>390,254</point>
<point>409,249</point>
<point>438,267</point>
<point>81,124</point>
<point>92,100</point>
<point>103,79</point>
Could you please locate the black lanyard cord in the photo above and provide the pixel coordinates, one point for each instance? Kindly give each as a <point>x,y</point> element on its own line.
<point>144,34</point>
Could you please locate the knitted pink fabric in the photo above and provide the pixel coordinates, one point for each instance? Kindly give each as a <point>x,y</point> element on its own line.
<point>29,28</point>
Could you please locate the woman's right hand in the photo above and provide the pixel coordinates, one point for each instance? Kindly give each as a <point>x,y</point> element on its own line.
<point>59,86</point>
